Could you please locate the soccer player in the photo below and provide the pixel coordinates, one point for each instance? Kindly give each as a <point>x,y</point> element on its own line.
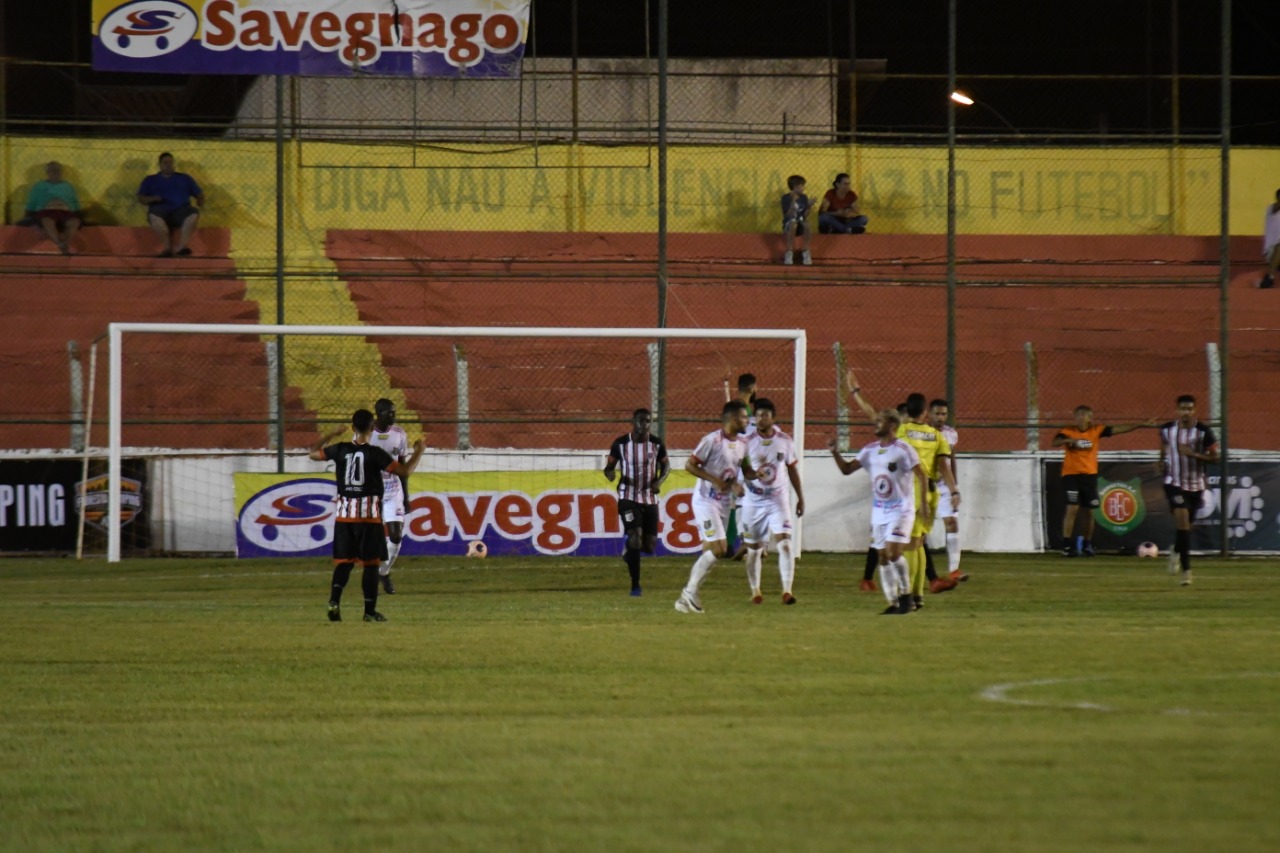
<point>766,506</point>
<point>1079,445</point>
<point>358,535</point>
<point>643,458</point>
<point>747,394</point>
<point>897,474</point>
<point>1186,447</point>
<point>716,463</point>
<point>395,487</point>
<point>939,413</point>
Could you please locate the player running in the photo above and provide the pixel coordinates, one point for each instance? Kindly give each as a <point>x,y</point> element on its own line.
<point>643,457</point>
<point>395,487</point>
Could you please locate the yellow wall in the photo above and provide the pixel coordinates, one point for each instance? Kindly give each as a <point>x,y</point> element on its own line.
<point>728,188</point>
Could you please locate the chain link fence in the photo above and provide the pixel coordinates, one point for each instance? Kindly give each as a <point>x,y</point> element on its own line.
<point>1087,262</point>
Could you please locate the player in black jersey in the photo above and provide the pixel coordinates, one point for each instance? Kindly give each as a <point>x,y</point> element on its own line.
<point>644,468</point>
<point>358,533</point>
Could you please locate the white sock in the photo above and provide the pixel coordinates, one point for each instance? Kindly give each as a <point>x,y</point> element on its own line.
<point>904,575</point>
<point>889,582</point>
<point>700,568</point>
<point>393,551</point>
<point>755,559</point>
<point>953,551</point>
<point>786,564</point>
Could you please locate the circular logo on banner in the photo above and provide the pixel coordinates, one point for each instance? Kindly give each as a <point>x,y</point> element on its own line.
<point>148,28</point>
<point>1120,508</point>
<point>290,517</point>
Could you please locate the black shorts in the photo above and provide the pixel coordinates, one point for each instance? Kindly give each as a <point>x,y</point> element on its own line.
<point>1182,499</point>
<point>174,218</point>
<point>642,516</point>
<point>1081,489</point>
<point>359,542</point>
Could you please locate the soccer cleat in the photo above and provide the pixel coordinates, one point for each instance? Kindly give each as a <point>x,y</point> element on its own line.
<point>335,612</point>
<point>806,258</point>
<point>635,592</point>
<point>387,586</point>
<point>867,585</point>
<point>1186,578</point>
<point>906,604</point>
<point>891,610</point>
<point>1173,561</point>
<point>943,585</point>
<point>917,602</point>
<point>757,597</point>
<point>375,616</point>
<point>1086,550</point>
<point>1068,550</point>
<point>959,576</point>
<point>788,598</point>
<point>786,258</point>
<point>687,603</point>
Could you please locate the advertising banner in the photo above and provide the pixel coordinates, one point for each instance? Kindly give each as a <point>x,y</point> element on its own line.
<point>557,513</point>
<point>1133,508</point>
<point>322,38</point>
<point>40,504</point>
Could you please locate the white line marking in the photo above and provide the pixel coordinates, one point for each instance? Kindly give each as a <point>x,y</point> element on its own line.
<point>1001,693</point>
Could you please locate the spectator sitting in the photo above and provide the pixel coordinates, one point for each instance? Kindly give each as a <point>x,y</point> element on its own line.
<point>839,213</point>
<point>168,195</point>
<point>54,206</point>
<point>795,210</point>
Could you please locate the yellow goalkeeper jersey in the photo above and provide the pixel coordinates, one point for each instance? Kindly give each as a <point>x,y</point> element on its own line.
<point>929,443</point>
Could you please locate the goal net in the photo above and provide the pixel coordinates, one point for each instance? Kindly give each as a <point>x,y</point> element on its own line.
<point>208,429</point>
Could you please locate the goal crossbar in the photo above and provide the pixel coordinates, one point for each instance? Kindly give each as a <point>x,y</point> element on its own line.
<point>117,331</point>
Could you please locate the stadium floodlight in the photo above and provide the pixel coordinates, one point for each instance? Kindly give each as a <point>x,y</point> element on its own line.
<point>173,393</point>
<point>961,98</point>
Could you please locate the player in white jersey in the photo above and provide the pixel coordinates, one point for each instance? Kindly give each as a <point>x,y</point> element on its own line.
<point>765,513</point>
<point>939,412</point>
<point>717,464</point>
<point>747,394</point>
<point>391,438</point>
<point>896,474</point>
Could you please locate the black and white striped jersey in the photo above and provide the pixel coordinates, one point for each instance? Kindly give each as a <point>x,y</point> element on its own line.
<point>1180,471</point>
<point>640,463</point>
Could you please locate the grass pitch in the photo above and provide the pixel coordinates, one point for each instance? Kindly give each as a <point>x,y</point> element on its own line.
<point>531,705</point>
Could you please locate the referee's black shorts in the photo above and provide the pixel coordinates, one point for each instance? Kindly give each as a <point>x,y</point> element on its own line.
<point>359,542</point>
<point>1182,499</point>
<point>635,515</point>
<point>1081,489</point>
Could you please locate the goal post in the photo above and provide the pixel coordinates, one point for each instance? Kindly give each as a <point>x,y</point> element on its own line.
<point>314,356</point>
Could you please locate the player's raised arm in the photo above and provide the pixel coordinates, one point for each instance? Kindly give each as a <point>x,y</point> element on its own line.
<point>846,466</point>
<point>408,468</point>
<point>855,391</point>
<point>1121,430</point>
<point>317,449</point>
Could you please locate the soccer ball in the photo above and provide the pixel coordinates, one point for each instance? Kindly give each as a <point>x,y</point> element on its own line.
<point>1148,549</point>
<point>477,549</point>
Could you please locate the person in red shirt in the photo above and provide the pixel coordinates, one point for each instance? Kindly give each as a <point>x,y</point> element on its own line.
<point>839,212</point>
<point>1079,444</point>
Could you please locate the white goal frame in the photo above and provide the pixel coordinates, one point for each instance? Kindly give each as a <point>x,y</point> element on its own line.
<point>117,331</point>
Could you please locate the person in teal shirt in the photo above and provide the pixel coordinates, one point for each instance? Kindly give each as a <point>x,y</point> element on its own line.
<point>54,205</point>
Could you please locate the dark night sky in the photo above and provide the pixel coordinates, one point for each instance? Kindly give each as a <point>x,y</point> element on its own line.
<point>1016,37</point>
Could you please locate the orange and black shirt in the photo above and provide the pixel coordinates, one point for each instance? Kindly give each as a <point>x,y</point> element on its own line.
<point>1084,458</point>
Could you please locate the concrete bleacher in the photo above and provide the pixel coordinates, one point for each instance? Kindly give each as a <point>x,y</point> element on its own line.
<point>1098,339</point>
<point>52,299</point>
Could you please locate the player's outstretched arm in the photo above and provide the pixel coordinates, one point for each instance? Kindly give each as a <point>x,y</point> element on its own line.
<point>846,466</point>
<point>418,447</point>
<point>1121,430</point>
<point>317,449</point>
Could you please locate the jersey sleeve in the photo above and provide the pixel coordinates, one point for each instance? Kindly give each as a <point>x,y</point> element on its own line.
<point>864,456</point>
<point>703,451</point>
<point>332,452</point>
<point>913,458</point>
<point>791,453</point>
<point>662,449</point>
<point>402,446</point>
<point>1105,432</point>
<point>615,449</point>
<point>1210,440</point>
<point>944,446</point>
<point>383,459</point>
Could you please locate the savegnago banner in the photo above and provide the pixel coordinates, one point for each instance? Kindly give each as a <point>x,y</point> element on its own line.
<point>413,38</point>
<point>557,513</point>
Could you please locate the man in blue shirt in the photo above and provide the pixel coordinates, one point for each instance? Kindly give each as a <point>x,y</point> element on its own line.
<point>167,195</point>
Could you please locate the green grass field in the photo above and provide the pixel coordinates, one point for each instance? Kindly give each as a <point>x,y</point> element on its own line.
<point>530,705</point>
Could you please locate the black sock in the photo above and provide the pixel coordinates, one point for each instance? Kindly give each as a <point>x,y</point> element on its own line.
<point>1182,544</point>
<point>341,574</point>
<point>873,561</point>
<point>369,582</point>
<point>632,558</point>
<point>929,572</point>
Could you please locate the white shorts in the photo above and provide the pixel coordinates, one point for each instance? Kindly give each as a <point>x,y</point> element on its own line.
<point>759,522</point>
<point>945,509</point>
<point>393,503</point>
<point>892,527</point>
<point>712,517</point>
